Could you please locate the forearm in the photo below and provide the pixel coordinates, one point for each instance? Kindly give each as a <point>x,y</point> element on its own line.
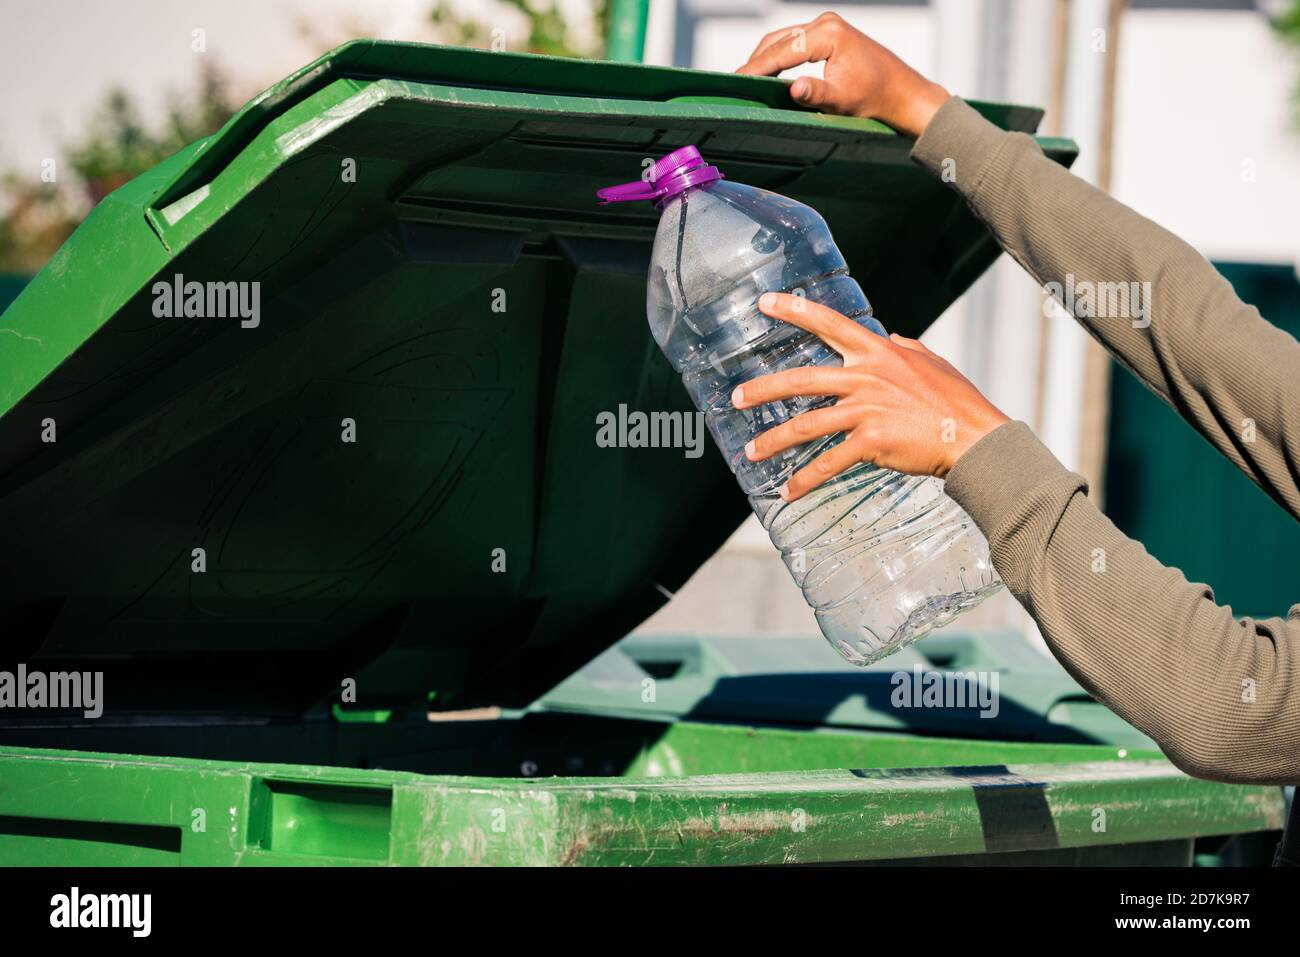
<point>1180,326</point>
<point>1220,696</point>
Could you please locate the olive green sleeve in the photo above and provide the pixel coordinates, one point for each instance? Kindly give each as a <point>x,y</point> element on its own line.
<point>1220,695</point>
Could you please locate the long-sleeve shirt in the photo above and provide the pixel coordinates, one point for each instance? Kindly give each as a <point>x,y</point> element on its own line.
<point>1220,695</point>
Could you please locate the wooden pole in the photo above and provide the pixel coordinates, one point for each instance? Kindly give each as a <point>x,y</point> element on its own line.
<point>1097,362</point>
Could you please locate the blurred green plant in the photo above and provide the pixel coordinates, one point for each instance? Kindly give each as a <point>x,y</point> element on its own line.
<point>1287,25</point>
<point>114,147</point>
<point>549,28</point>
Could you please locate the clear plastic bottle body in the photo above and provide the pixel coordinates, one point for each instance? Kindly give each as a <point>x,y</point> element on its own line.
<point>881,557</point>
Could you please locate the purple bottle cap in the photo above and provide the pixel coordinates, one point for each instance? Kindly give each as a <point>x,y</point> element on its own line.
<point>676,172</point>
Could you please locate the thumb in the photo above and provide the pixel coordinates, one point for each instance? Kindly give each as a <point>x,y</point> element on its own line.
<point>916,345</point>
<point>811,91</point>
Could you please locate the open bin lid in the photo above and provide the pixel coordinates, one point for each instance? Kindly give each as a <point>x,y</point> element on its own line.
<point>434,269</point>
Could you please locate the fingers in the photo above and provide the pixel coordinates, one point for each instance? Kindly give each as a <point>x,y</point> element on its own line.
<point>802,429</point>
<point>784,32</point>
<point>839,332</point>
<point>826,466</point>
<point>810,44</point>
<point>767,41</point>
<point>807,380</point>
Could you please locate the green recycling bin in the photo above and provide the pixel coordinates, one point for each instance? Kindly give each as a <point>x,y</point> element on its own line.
<point>297,453</point>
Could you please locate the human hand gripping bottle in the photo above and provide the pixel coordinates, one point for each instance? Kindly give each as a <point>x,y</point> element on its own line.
<point>881,557</point>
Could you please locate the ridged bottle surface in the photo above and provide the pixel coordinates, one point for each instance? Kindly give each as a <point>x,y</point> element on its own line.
<point>882,557</point>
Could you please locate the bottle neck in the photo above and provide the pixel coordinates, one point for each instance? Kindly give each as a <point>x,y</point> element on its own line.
<point>681,193</point>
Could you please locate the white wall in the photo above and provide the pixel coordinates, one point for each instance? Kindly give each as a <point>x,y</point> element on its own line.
<point>1204,97</point>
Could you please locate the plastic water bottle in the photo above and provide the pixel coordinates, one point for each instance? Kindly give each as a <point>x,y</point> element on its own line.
<point>882,557</point>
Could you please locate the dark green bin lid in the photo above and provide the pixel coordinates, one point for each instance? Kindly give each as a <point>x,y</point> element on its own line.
<point>464,301</point>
